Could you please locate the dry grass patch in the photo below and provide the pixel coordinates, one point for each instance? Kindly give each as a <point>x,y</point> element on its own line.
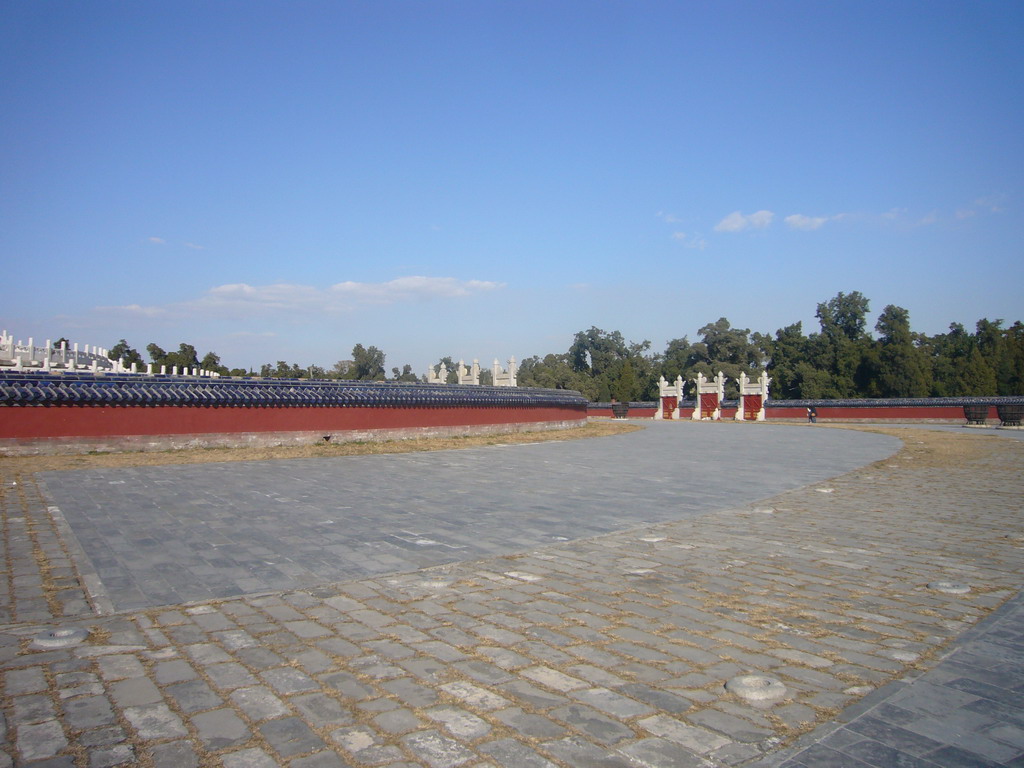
<point>931,448</point>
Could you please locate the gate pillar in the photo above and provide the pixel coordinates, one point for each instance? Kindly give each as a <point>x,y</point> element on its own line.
<point>753,395</point>
<point>709,397</point>
<point>669,398</point>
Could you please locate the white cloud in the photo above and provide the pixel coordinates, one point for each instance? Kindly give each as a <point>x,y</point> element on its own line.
<point>157,240</point>
<point>135,310</point>
<point>737,222</point>
<point>195,247</point>
<point>990,204</point>
<point>799,221</point>
<point>416,288</point>
<point>242,300</point>
<point>668,218</point>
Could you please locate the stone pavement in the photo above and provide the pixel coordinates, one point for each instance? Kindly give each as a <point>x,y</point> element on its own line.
<point>964,711</point>
<point>610,650</point>
<point>164,535</point>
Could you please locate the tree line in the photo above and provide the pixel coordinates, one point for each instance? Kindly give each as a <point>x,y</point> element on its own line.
<point>840,360</point>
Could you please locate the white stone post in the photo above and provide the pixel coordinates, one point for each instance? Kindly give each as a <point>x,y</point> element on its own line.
<point>700,381</point>
<point>744,384</point>
<point>764,381</point>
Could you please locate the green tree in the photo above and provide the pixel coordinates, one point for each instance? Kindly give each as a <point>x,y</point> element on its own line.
<point>677,360</point>
<point>368,363</point>
<point>726,349</point>
<point>406,374</point>
<point>976,377</point>
<point>156,354</point>
<point>1012,371</point>
<point>842,347</point>
<point>124,352</point>
<point>784,354</point>
<point>903,369</point>
<point>626,387</point>
<point>601,355</point>
<point>555,372</point>
<point>211,362</point>
<point>185,357</point>
<point>958,367</point>
<point>597,352</point>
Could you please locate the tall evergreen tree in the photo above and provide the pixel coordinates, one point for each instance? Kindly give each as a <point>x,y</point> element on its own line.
<point>903,369</point>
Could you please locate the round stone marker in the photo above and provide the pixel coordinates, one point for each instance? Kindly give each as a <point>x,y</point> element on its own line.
<point>756,688</point>
<point>950,587</point>
<point>59,638</point>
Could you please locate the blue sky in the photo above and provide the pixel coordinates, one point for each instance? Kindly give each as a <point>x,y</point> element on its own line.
<point>283,180</point>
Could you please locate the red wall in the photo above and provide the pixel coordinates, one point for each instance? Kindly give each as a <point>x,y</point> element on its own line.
<point>901,413</point>
<point>109,421</point>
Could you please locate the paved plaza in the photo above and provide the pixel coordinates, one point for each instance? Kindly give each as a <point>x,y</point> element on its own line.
<point>551,604</point>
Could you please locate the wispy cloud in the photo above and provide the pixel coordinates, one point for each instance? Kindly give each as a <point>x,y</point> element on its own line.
<point>156,240</point>
<point>195,247</point>
<point>243,300</point>
<point>690,241</point>
<point>808,223</point>
<point>668,218</point>
<point>989,204</point>
<point>410,289</point>
<point>737,221</point>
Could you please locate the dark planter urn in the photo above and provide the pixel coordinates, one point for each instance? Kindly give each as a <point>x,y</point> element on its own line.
<point>620,410</point>
<point>1010,414</point>
<point>976,413</point>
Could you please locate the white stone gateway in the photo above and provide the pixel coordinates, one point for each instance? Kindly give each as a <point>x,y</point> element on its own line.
<point>670,396</point>
<point>469,375</point>
<point>440,376</point>
<point>709,397</point>
<point>753,396</point>
<point>500,378</point>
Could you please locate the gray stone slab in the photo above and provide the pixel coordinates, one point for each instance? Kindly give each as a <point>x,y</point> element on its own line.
<point>272,525</point>
<point>290,736</point>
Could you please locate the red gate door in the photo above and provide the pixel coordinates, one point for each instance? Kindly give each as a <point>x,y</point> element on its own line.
<point>668,407</point>
<point>708,405</point>
<point>751,407</point>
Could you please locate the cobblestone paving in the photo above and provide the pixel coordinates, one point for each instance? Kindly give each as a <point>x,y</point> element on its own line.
<point>610,651</point>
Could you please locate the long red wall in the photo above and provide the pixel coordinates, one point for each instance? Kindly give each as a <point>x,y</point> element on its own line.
<point>110,421</point>
<point>889,413</point>
<point>911,413</point>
